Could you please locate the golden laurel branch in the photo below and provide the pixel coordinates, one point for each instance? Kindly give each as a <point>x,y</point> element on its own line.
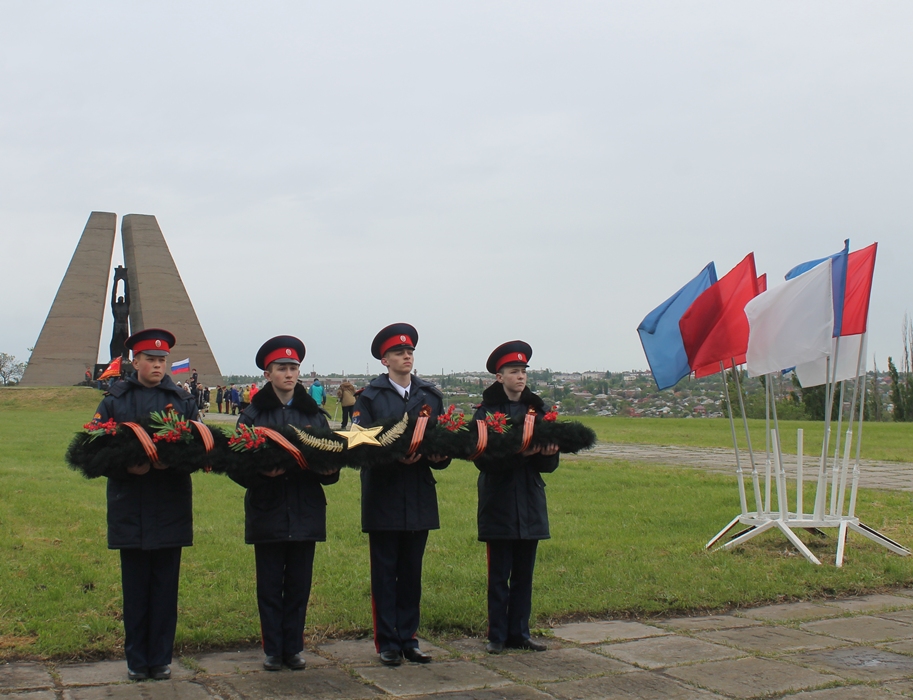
<point>389,437</point>
<point>316,443</point>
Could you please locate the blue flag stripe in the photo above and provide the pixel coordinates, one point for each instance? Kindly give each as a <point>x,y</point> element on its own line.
<point>661,337</point>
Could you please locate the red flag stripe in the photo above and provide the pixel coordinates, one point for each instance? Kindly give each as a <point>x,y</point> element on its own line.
<point>715,327</point>
<point>860,268</point>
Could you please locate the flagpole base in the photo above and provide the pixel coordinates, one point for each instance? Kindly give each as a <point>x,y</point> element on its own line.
<point>756,525</point>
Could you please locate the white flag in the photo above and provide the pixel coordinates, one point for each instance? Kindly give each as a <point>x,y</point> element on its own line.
<point>814,373</point>
<point>792,323</point>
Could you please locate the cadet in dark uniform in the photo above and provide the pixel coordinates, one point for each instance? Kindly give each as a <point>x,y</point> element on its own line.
<point>285,513</point>
<point>512,512</point>
<point>398,500</point>
<point>150,511</point>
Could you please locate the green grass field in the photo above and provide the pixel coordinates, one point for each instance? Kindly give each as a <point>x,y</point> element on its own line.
<point>627,539</point>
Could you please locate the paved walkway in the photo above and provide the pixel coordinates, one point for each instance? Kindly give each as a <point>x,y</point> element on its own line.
<point>848,649</point>
<point>893,476</point>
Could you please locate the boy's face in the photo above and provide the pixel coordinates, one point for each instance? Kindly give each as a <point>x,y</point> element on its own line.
<point>513,378</point>
<point>398,361</point>
<point>282,375</point>
<point>150,369</point>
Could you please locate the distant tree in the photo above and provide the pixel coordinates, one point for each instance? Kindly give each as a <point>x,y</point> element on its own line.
<point>10,370</point>
<point>874,404</point>
<point>902,378</point>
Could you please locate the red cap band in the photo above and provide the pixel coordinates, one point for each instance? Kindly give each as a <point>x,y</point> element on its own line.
<point>151,345</point>
<point>510,357</point>
<point>395,341</point>
<point>281,354</point>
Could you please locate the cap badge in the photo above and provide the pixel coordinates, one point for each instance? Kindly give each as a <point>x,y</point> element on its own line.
<point>288,352</point>
<point>402,338</point>
<point>158,343</point>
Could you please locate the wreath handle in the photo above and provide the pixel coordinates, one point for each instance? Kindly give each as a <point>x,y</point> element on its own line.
<point>151,452</point>
<point>280,440</point>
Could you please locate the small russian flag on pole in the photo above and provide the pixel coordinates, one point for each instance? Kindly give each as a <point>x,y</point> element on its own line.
<point>182,366</point>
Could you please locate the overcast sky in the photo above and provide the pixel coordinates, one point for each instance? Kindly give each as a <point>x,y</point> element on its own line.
<point>483,170</point>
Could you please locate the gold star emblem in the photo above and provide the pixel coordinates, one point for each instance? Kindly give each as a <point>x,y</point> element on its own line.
<point>360,436</point>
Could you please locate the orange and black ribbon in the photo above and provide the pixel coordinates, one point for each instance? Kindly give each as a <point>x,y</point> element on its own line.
<point>280,440</point>
<point>151,452</point>
<point>529,423</point>
<point>482,443</point>
<point>419,434</point>
<point>208,441</point>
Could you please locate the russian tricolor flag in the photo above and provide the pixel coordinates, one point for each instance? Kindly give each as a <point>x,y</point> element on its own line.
<point>182,366</point>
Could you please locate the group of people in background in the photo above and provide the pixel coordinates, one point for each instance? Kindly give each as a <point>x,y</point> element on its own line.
<point>150,506</point>
<point>236,398</point>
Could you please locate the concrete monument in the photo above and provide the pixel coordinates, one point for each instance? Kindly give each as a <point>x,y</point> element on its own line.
<point>69,340</point>
<point>154,296</point>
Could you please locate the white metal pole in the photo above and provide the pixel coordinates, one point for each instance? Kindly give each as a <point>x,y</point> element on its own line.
<point>849,431</point>
<point>735,445</point>
<point>835,469</point>
<point>799,485</point>
<point>754,468</point>
<point>851,512</point>
<point>778,456</point>
<point>766,445</point>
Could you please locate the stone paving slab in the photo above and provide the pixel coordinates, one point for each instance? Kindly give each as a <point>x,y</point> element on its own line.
<point>900,616</point>
<point>638,685</point>
<point>222,663</point>
<point>474,647</point>
<point>847,692</point>
<point>750,677</point>
<point>904,646</point>
<point>537,667</point>
<point>471,646</point>
<point>660,652</point>
<point>770,640</point>
<point>147,690</point>
<point>872,603</point>
<point>33,695</point>
<point>710,622</point>
<point>507,692</point>
<point>105,672</point>
<point>788,612</point>
<point>904,687</point>
<point>22,676</point>
<point>606,631</point>
<point>863,629</point>
<point>859,663</point>
<point>319,684</point>
<point>441,677</point>
<point>360,652</point>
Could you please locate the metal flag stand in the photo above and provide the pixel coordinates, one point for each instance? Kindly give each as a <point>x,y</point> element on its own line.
<point>783,519</point>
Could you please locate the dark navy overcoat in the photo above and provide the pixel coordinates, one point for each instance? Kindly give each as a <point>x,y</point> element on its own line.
<point>153,510</point>
<point>291,507</point>
<point>397,496</point>
<point>512,503</point>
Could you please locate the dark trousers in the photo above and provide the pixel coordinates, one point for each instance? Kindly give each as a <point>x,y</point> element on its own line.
<point>396,587</point>
<point>284,572</point>
<point>510,588</point>
<point>346,415</point>
<point>150,583</point>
